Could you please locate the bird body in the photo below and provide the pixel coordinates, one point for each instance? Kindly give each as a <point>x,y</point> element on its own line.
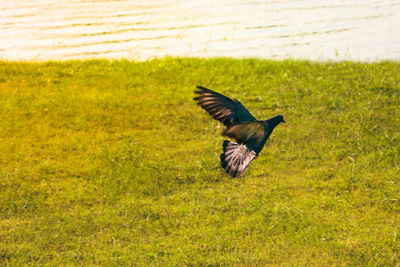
<point>249,133</point>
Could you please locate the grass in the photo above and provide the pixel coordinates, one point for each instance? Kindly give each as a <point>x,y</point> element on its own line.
<point>112,163</point>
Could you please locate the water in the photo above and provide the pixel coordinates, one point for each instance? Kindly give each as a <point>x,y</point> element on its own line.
<point>362,30</point>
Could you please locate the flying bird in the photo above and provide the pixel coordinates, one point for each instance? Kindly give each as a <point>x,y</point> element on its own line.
<point>249,133</point>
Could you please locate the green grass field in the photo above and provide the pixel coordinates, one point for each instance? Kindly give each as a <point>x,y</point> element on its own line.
<point>112,163</point>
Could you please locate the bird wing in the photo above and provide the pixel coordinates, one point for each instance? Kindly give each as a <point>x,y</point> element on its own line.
<point>236,158</point>
<point>222,108</point>
<point>246,131</point>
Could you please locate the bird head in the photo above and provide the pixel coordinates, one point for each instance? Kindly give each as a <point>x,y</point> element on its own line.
<point>279,119</point>
<point>275,121</point>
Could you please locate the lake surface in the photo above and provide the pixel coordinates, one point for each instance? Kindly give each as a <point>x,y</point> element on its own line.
<point>362,30</point>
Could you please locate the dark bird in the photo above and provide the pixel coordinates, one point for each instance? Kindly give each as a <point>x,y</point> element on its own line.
<point>249,133</point>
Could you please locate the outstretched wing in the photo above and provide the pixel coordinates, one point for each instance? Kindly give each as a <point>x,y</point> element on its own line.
<point>222,108</point>
<point>236,158</point>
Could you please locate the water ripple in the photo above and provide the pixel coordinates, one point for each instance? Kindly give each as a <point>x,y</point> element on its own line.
<point>312,29</point>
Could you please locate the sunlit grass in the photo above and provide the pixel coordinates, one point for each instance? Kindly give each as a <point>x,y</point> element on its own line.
<point>113,163</point>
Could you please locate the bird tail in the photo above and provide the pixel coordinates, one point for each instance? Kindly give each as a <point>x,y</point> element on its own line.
<point>236,158</point>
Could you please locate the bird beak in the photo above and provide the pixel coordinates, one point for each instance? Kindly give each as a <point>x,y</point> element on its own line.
<point>283,121</point>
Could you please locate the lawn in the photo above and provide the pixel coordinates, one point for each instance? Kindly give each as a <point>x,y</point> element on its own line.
<point>112,163</point>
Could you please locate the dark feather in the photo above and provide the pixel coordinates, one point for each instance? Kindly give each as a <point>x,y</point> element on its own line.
<point>236,158</point>
<point>250,134</point>
<point>222,108</point>
<point>244,131</point>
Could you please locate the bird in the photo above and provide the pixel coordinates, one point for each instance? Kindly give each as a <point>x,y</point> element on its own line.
<point>249,133</point>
